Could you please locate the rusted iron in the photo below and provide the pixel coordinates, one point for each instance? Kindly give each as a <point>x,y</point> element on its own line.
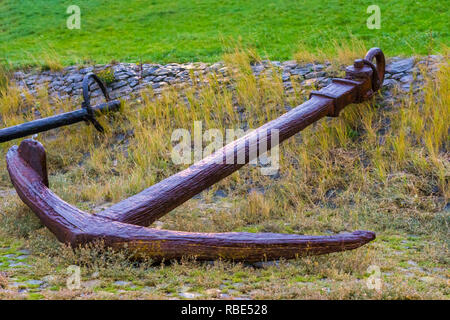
<point>86,113</point>
<point>124,224</point>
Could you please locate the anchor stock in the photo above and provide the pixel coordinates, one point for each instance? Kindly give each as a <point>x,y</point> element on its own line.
<point>86,113</point>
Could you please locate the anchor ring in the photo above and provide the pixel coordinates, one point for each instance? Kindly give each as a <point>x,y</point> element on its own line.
<point>379,69</point>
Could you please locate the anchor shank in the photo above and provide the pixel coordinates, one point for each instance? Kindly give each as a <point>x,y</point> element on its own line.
<point>154,202</point>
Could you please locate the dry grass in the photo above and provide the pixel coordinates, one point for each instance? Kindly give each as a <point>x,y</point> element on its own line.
<point>4,78</point>
<point>48,59</point>
<point>340,52</point>
<point>3,280</point>
<point>382,167</point>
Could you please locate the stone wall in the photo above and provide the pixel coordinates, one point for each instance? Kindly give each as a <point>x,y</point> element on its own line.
<point>129,79</point>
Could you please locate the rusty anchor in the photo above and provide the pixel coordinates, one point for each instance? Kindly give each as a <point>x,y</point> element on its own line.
<point>125,223</point>
<point>86,113</point>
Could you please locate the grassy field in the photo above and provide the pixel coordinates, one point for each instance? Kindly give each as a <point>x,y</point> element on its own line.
<point>34,31</point>
<point>382,166</point>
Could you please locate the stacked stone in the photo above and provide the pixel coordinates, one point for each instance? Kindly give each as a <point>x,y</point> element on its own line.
<point>130,79</point>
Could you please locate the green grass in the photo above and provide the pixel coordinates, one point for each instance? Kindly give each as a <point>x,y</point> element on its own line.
<point>200,30</point>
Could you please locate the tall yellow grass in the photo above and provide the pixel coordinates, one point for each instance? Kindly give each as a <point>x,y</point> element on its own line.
<point>343,52</point>
<point>353,155</point>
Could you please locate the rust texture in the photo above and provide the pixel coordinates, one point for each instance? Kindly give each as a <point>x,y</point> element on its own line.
<point>125,223</point>
<point>86,113</point>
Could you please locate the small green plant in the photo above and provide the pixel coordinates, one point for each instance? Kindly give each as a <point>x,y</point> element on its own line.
<point>107,75</point>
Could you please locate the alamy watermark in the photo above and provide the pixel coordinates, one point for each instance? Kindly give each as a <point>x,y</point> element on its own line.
<point>374,281</point>
<point>74,20</point>
<point>73,281</point>
<point>251,146</point>
<point>374,20</point>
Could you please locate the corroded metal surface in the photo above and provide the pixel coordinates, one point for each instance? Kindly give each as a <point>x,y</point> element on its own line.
<point>86,113</point>
<point>124,224</point>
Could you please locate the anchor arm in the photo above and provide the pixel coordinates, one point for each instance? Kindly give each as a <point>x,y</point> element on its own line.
<point>26,166</point>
